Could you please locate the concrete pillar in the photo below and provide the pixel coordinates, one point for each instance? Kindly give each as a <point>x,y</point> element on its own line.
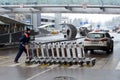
<point>58,21</point>
<point>36,20</point>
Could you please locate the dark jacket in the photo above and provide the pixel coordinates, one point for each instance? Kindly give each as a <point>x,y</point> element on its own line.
<point>24,39</point>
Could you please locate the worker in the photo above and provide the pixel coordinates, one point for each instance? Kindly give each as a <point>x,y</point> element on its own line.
<point>23,45</point>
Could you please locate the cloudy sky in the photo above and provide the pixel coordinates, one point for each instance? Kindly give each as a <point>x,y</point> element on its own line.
<point>91,17</point>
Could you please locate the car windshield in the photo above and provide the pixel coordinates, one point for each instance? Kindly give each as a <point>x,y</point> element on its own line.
<point>95,35</point>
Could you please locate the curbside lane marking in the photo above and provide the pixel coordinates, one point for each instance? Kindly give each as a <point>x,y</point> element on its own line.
<point>50,68</point>
<point>118,66</point>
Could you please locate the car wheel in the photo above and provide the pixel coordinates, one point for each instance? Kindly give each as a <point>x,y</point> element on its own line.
<point>108,51</point>
<point>112,48</point>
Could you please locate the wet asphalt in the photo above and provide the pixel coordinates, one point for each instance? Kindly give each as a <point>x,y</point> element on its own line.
<point>107,67</point>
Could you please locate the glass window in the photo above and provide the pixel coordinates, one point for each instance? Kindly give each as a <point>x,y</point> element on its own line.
<point>53,20</point>
<point>77,1</point>
<point>107,35</point>
<point>95,35</point>
<point>52,1</point>
<point>44,1</point>
<point>93,2</point>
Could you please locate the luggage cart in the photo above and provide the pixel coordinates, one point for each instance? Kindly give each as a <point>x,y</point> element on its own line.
<point>31,53</point>
<point>69,54</point>
<point>48,57</point>
<point>34,53</point>
<point>82,59</point>
<point>42,54</point>
<point>55,54</point>
<point>59,53</point>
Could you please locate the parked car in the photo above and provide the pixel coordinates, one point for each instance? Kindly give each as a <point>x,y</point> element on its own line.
<point>98,41</point>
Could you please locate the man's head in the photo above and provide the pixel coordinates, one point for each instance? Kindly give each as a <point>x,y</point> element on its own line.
<point>28,30</point>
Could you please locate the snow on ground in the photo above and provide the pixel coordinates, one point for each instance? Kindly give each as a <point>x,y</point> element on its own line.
<point>61,36</point>
<point>116,36</point>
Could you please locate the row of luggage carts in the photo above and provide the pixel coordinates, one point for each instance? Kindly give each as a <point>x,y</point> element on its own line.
<point>58,53</point>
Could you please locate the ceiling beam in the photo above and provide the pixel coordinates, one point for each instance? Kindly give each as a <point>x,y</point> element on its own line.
<point>55,6</point>
<point>105,9</point>
<point>8,8</point>
<point>68,8</point>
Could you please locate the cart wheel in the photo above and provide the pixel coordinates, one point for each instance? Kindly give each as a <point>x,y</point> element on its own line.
<point>75,63</point>
<point>32,62</point>
<point>54,63</point>
<point>39,62</point>
<point>65,63</point>
<point>42,62</point>
<point>27,62</point>
<point>88,62</point>
<point>36,62</point>
<point>70,63</point>
<point>93,62</point>
<point>50,63</point>
<point>81,63</point>
<point>59,63</point>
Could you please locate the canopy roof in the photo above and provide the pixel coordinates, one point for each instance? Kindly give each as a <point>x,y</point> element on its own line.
<point>7,20</point>
<point>62,6</point>
<point>90,2</point>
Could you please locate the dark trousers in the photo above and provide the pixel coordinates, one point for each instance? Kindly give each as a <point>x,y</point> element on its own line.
<point>20,51</point>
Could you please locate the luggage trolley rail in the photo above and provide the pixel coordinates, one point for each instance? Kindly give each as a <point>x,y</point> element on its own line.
<point>64,52</point>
